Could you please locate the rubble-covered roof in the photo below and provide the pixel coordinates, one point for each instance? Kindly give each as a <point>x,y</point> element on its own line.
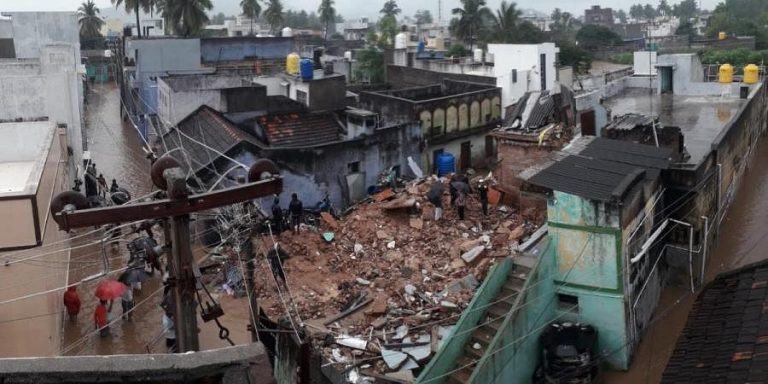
<point>205,125</point>
<point>604,169</point>
<point>630,121</point>
<point>300,130</point>
<point>726,336</point>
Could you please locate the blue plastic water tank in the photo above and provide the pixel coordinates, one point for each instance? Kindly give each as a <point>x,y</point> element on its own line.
<point>446,163</point>
<point>420,48</point>
<point>307,69</point>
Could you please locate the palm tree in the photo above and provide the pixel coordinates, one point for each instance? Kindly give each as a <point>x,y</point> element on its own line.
<point>185,17</point>
<point>470,19</point>
<point>252,9</point>
<point>327,14</point>
<point>89,20</point>
<point>133,6</point>
<point>390,9</point>
<point>274,15</point>
<point>505,22</point>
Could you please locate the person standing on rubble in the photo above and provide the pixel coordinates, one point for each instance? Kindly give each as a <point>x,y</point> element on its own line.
<point>296,209</point>
<point>461,202</point>
<point>482,190</point>
<point>436,198</point>
<point>277,216</point>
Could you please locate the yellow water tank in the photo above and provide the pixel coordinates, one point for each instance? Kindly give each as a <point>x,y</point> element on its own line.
<point>292,63</point>
<point>726,74</point>
<point>751,74</point>
<point>722,35</point>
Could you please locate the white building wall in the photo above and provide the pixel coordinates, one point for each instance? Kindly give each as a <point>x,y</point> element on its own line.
<point>34,30</point>
<point>526,60</point>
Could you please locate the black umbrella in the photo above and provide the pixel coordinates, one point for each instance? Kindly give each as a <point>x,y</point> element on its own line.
<point>134,275</point>
<point>460,186</point>
<point>436,191</point>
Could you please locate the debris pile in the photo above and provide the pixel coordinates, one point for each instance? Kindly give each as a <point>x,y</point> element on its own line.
<point>392,281</point>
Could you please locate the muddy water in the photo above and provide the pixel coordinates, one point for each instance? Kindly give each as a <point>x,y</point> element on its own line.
<point>116,150</point>
<point>743,239</point>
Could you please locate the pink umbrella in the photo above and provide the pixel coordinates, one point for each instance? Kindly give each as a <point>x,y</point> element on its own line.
<point>110,289</point>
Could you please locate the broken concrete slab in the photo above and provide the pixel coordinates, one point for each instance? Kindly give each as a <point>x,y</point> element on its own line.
<point>393,359</point>
<point>330,220</point>
<point>471,256</point>
<point>403,376</point>
<point>415,168</point>
<point>384,195</point>
<point>382,235</point>
<point>467,282</point>
<point>416,223</point>
<point>517,233</point>
<point>420,352</point>
<point>352,342</point>
<point>467,246</point>
<point>400,332</point>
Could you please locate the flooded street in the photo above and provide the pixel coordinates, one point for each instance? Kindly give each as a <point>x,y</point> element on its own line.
<point>116,149</point>
<point>742,241</point>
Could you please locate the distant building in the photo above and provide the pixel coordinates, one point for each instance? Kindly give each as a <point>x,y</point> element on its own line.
<point>599,16</point>
<point>454,117</point>
<point>539,19</point>
<point>355,29</point>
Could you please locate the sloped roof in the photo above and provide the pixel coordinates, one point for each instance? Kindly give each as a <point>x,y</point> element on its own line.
<point>299,130</point>
<point>207,126</point>
<point>604,170</point>
<point>725,339</point>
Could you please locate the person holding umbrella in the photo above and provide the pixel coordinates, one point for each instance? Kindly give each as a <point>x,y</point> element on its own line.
<point>461,202</point>
<point>435,197</point>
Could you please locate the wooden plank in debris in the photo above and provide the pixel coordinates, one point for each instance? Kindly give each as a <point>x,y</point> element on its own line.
<point>384,195</point>
<point>328,218</point>
<point>348,312</point>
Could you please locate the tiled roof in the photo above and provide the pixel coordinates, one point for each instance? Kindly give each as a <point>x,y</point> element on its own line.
<point>299,130</point>
<point>207,126</point>
<point>725,339</point>
<point>604,170</point>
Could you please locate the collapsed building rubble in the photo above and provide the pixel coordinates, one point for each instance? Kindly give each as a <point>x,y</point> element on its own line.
<point>381,296</point>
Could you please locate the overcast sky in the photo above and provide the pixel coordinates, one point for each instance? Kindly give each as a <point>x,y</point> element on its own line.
<point>353,8</point>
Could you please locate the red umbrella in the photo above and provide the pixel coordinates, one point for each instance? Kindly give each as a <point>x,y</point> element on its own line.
<point>110,289</point>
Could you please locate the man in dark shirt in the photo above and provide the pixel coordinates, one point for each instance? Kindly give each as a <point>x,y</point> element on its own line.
<point>277,216</point>
<point>296,208</point>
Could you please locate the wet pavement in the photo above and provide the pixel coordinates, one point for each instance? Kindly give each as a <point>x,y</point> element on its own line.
<point>701,118</point>
<point>743,240</point>
<point>116,150</point>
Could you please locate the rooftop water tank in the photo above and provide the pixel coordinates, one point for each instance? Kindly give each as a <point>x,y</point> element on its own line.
<point>489,57</point>
<point>446,164</point>
<point>401,41</point>
<point>722,35</point>
<point>287,32</point>
<point>478,55</point>
<point>726,74</point>
<point>439,43</point>
<point>751,74</point>
<point>348,55</point>
<point>307,69</point>
<point>420,47</point>
<point>292,63</point>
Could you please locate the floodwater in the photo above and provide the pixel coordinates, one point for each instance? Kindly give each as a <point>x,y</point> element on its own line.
<point>742,241</point>
<point>116,149</point>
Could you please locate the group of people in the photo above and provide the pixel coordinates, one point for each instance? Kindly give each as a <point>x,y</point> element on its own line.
<point>96,185</point>
<point>295,211</point>
<point>459,188</point>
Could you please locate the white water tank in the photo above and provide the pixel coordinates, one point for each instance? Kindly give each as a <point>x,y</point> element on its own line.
<point>489,57</point>
<point>348,55</point>
<point>287,32</point>
<point>401,41</point>
<point>478,55</point>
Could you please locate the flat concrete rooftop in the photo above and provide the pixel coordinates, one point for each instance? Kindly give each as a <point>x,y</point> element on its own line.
<point>701,118</point>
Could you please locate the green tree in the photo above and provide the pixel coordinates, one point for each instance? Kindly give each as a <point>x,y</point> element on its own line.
<point>388,29</point>
<point>327,15</point>
<point>470,19</point>
<point>649,12</point>
<point>457,50</point>
<point>390,9</point>
<point>220,17</point>
<point>637,12</point>
<point>89,20</point>
<point>686,29</point>
<point>423,16</point>
<point>251,9</point>
<point>134,6</point>
<point>622,16</point>
<point>686,10</point>
<point>185,17</point>
<point>274,15</point>
<point>562,27</point>
<point>371,66</point>
<point>594,37</point>
<point>664,9</point>
<point>741,18</point>
<point>505,23</point>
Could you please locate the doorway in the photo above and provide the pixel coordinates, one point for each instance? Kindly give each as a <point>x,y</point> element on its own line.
<point>667,84</point>
<point>465,161</point>
<point>588,124</point>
